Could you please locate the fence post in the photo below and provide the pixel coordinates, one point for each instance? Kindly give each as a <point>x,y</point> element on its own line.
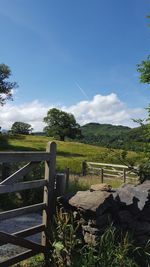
<point>49,196</point>
<point>67,178</point>
<point>60,184</point>
<point>124,176</point>
<point>84,168</point>
<point>102,175</point>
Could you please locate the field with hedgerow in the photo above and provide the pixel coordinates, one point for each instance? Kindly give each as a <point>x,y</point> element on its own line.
<point>69,154</point>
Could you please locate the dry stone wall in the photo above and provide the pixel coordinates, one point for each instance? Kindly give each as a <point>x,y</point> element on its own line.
<point>128,207</point>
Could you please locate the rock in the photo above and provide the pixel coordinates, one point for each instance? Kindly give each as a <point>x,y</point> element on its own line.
<point>126,219</point>
<point>103,220</point>
<point>101,187</point>
<point>145,213</point>
<point>142,228</point>
<point>95,201</point>
<point>127,207</point>
<point>130,194</point>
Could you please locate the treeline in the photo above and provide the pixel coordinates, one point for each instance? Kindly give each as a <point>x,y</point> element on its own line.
<point>111,136</point>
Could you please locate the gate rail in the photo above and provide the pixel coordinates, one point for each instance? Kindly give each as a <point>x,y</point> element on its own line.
<point>105,170</point>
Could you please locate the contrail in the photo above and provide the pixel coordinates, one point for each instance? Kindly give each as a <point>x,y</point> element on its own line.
<point>82,91</point>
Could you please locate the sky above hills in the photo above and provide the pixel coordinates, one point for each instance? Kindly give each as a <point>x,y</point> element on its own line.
<point>79,56</point>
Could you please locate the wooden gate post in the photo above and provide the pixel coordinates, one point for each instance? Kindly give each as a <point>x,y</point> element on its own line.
<point>60,184</point>
<point>67,178</point>
<point>84,168</point>
<point>49,195</point>
<point>124,176</point>
<point>102,175</point>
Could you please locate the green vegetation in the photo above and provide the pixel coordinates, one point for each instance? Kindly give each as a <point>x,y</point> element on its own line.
<point>5,85</point>
<point>113,248</point>
<point>69,154</point>
<point>112,136</point>
<point>21,128</point>
<point>61,124</point>
<point>77,183</point>
<point>36,261</point>
<point>144,70</point>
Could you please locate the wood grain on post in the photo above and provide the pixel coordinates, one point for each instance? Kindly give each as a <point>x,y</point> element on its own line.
<point>49,193</point>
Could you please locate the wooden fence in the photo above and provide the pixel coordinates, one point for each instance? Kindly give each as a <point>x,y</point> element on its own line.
<point>14,183</point>
<point>105,170</point>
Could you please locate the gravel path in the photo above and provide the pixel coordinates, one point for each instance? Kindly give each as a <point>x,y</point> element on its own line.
<point>15,225</point>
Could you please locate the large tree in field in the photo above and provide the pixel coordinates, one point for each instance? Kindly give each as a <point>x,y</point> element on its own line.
<point>61,124</point>
<point>21,128</point>
<point>5,85</point>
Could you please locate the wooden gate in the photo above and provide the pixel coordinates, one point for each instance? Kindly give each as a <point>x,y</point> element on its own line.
<point>13,184</point>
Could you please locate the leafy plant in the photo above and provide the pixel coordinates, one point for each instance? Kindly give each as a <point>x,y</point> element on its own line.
<point>113,248</point>
<point>65,240</point>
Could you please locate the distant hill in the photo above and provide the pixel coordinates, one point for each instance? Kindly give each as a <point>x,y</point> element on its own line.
<point>97,128</point>
<point>113,136</point>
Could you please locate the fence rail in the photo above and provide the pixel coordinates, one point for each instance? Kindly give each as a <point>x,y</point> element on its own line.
<point>14,183</point>
<point>105,170</point>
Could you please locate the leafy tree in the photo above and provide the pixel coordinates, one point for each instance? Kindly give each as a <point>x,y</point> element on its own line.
<point>21,128</point>
<point>61,124</point>
<point>144,70</point>
<point>5,86</point>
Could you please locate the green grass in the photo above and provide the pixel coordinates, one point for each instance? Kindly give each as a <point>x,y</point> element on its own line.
<point>79,183</point>
<point>69,154</point>
<point>36,261</point>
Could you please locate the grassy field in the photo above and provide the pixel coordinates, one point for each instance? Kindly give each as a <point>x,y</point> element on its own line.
<point>69,154</point>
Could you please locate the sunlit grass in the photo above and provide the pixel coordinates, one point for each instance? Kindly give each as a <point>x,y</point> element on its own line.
<point>69,154</point>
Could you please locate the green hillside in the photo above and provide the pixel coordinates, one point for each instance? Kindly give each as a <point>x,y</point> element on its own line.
<point>112,136</point>
<point>69,154</point>
<point>96,128</point>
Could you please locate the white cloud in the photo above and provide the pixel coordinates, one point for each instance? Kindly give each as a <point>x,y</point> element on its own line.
<point>32,113</point>
<point>101,109</point>
<point>105,109</point>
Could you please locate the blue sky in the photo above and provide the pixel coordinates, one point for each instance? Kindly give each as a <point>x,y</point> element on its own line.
<point>65,52</point>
